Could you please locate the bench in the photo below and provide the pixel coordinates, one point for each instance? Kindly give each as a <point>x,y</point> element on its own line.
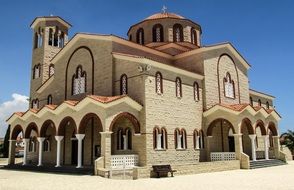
<point>163,169</point>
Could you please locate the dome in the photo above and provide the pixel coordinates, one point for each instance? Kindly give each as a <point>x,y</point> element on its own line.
<point>164,15</point>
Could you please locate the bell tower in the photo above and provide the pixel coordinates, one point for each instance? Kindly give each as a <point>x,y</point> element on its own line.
<point>50,35</point>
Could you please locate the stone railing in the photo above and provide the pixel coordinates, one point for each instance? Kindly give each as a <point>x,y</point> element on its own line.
<point>124,161</point>
<point>260,154</point>
<point>245,161</point>
<point>222,156</point>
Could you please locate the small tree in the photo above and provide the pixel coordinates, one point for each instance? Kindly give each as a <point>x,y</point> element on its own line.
<point>289,139</point>
<point>6,143</point>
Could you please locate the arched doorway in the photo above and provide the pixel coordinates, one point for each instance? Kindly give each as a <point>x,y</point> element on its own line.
<point>246,131</point>
<point>260,132</point>
<point>32,133</point>
<point>221,132</point>
<point>16,143</point>
<point>91,126</point>
<point>272,132</point>
<point>48,131</point>
<point>67,128</point>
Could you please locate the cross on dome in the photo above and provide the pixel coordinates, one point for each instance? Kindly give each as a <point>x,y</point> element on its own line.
<point>164,8</point>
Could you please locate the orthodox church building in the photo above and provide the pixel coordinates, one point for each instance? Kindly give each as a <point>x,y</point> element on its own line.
<point>158,97</point>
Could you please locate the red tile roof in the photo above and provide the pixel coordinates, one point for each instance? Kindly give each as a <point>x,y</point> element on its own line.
<point>106,99</point>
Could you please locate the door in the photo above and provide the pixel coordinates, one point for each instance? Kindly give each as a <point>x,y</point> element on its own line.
<point>74,152</point>
<point>231,144</point>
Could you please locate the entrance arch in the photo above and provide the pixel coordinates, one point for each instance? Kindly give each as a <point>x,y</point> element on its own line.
<point>221,131</point>
<point>91,126</point>
<point>48,131</point>
<point>246,130</point>
<point>124,126</point>
<point>67,128</point>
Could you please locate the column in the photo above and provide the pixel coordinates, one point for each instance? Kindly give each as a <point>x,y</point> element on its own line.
<point>11,158</point>
<point>106,148</point>
<point>197,142</point>
<point>179,141</point>
<point>238,145</point>
<point>80,138</point>
<point>125,137</point>
<point>252,138</point>
<point>41,143</point>
<point>266,152</point>
<point>25,150</point>
<point>158,143</point>
<point>58,150</point>
<point>276,143</point>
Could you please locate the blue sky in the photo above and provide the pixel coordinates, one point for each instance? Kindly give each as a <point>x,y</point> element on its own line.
<point>262,31</point>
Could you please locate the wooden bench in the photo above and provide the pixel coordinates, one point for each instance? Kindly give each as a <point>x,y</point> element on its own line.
<point>163,169</point>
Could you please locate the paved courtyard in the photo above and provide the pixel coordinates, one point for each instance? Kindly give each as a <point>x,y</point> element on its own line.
<point>280,177</point>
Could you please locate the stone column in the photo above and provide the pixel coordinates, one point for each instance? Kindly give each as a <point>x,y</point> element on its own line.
<point>41,143</point>
<point>238,145</point>
<point>266,152</point>
<point>11,157</point>
<point>277,148</point>
<point>208,138</point>
<point>125,137</point>
<point>25,151</point>
<point>158,143</point>
<point>179,144</point>
<point>106,148</point>
<point>252,138</point>
<point>58,150</point>
<point>197,142</point>
<point>80,138</point>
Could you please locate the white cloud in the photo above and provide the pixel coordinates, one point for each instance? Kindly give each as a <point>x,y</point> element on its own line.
<point>18,103</point>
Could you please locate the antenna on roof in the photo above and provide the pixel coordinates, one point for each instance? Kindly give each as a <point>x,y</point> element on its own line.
<point>164,8</point>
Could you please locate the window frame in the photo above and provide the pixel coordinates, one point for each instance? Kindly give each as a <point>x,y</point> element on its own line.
<point>154,33</point>
<point>123,77</point>
<point>179,93</point>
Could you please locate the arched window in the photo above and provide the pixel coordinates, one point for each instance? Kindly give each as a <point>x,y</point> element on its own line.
<point>51,36</point>
<point>61,40</point>
<point>259,102</point>
<point>160,138</point>
<point>158,83</point>
<point>229,86</point>
<point>196,91</point>
<point>196,139</point>
<point>47,146</point>
<point>193,36</point>
<point>49,100</point>
<point>157,33</point>
<point>140,36</point>
<point>180,139</point>
<point>128,139</point>
<point>267,105</point>
<point>51,70</point>
<point>32,144</point>
<point>130,38</point>
<point>178,33</point>
<point>40,37</point>
<point>120,139</point>
<point>124,84</point>
<point>79,81</point>
<point>37,71</point>
<point>251,101</point>
<point>201,139</point>
<point>178,87</point>
<point>35,104</point>
<point>36,40</point>
<point>124,139</point>
<point>56,37</point>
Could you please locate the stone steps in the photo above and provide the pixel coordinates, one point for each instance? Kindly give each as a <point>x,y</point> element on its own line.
<point>88,170</point>
<point>265,163</point>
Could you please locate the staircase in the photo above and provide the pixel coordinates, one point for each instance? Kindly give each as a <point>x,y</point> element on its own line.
<point>265,163</point>
<point>51,169</point>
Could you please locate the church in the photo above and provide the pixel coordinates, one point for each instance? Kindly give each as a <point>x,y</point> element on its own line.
<point>159,97</point>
